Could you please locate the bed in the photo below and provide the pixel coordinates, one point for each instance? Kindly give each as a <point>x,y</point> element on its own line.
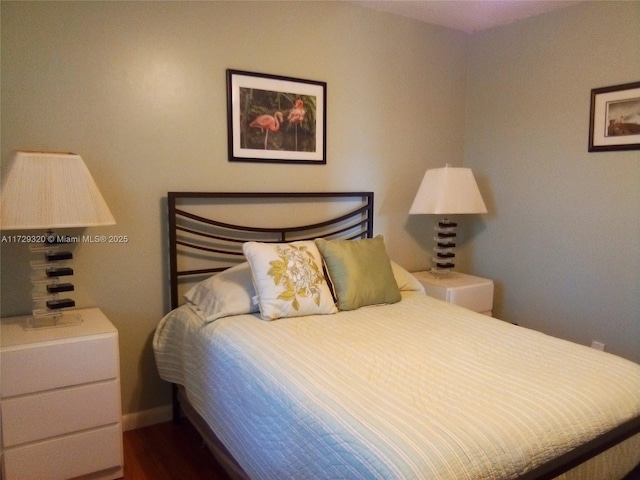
<point>354,372</point>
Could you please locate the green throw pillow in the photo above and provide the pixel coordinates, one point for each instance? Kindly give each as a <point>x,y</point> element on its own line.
<point>360,271</point>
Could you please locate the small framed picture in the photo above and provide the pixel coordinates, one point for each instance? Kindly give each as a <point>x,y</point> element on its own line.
<point>615,118</point>
<point>276,119</point>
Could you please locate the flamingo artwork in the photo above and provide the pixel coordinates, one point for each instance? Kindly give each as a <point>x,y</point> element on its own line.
<point>267,123</point>
<point>296,116</point>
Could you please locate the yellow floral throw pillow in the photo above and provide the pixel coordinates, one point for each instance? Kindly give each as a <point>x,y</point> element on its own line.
<point>288,279</point>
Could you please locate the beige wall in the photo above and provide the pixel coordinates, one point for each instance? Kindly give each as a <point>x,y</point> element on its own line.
<point>563,236</point>
<point>138,89</point>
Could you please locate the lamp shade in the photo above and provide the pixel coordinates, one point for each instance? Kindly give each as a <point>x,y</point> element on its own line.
<point>50,190</point>
<point>448,191</point>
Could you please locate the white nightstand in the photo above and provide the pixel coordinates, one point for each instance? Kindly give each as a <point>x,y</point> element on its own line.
<point>474,293</point>
<point>61,407</point>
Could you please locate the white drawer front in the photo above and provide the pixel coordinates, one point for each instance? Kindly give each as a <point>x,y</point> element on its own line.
<point>58,412</point>
<point>47,366</point>
<point>66,457</point>
<point>478,298</point>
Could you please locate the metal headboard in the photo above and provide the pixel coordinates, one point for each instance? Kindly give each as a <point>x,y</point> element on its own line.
<point>203,241</point>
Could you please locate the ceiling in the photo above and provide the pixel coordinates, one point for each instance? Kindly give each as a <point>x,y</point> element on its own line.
<point>467,15</point>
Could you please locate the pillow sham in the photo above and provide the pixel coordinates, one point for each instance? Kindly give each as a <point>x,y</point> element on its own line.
<point>360,271</point>
<point>229,292</point>
<point>289,279</point>
<point>405,280</point>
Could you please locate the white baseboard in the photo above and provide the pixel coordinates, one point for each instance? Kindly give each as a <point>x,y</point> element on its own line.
<point>145,418</point>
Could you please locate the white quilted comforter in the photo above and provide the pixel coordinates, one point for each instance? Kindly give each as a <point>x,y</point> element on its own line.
<point>418,389</point>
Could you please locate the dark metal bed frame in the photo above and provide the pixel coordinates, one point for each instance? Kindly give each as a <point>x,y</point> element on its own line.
<point>221,243</point>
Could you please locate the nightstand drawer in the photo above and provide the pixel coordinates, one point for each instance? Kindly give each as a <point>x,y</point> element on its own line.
<point>43,366</point>
<point>66,411</point>
<point>66,457</point>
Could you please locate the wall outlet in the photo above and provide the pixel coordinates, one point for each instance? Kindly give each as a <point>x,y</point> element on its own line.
<point>597,345</point>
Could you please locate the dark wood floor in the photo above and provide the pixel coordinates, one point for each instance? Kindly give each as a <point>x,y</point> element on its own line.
<point>168,452</point>
<point>176,452</point>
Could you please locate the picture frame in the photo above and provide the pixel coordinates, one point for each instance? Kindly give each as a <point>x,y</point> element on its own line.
<point>276,119</point>
<point>615,118</point>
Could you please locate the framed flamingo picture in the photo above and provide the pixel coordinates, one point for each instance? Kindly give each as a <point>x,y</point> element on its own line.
<point>276,119</point>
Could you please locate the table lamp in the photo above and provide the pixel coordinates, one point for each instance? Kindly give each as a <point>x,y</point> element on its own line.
<point>43,191</point>
<point>447,191</point>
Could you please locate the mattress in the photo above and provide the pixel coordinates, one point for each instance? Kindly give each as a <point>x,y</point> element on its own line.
<point>417,389</point>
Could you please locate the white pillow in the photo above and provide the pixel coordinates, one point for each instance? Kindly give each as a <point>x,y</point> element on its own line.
<point>228,293</point>
<point>405,280</point>
<point>288,279</point>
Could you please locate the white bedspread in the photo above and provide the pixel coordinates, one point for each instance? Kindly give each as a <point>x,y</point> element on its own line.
<point>418,389</point>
